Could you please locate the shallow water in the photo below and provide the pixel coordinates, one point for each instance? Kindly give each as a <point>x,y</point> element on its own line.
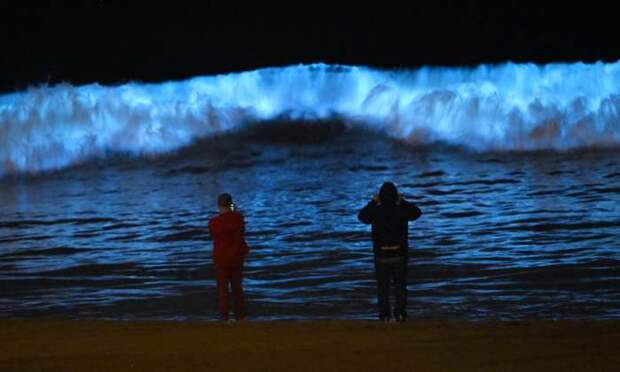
<point>503,235</point>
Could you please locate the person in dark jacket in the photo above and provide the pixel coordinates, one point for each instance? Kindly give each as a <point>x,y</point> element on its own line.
<point>389,214</point>
<point>229,251</point>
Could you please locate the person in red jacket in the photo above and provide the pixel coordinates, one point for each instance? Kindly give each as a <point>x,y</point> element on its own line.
<point>229,251</point>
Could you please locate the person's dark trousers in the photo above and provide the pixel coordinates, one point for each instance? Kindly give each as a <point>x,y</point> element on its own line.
<point>391,270</point>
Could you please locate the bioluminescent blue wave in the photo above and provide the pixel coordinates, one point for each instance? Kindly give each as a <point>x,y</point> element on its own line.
<point>488,108</point>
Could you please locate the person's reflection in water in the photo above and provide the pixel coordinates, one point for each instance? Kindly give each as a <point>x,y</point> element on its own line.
<point>389,213</point>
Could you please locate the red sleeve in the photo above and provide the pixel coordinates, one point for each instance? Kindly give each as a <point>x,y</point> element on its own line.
<point>213,226</point>
<point>241,245</point>
<point>216,227</point>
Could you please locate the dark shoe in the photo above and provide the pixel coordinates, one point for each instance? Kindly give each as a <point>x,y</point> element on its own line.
<point>400,318</point>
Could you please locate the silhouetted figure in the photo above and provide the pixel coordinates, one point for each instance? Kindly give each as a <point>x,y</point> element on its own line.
<point>389,215</point>
<point>229,251</point>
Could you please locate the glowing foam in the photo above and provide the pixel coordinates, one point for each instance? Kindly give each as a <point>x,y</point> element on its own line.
<point>506,107</point>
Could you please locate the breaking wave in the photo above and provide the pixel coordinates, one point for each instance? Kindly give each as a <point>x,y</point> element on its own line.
<point>509,107</point>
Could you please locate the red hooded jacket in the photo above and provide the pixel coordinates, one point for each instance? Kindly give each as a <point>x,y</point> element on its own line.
<point>229,246</point>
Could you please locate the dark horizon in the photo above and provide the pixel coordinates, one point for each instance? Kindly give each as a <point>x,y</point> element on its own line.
<point>110,42</point>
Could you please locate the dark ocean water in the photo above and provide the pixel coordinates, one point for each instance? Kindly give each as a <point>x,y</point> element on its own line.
<point>503,236</point>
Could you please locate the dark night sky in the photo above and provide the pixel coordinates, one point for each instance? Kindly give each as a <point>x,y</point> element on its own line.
<point>111,42</point>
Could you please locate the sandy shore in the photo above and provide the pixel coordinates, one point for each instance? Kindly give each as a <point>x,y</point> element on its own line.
<point>50,345</point>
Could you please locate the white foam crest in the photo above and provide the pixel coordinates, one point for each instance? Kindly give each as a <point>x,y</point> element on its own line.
<point>488,108</point>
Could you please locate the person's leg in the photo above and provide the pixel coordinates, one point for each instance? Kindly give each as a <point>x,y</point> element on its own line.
<point>391,279</point>
<point>222,279</point>
<point>237,291</point>
<point>400,290</point>
<point>383,289</point>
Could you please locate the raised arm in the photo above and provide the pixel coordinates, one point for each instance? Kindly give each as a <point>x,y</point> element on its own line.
<point>412,212</point>
<point>366,214</point>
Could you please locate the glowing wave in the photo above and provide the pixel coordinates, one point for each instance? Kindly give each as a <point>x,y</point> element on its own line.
<point>506,107</point>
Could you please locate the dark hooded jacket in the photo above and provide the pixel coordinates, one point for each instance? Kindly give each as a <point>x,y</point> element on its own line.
<point>389,219</point>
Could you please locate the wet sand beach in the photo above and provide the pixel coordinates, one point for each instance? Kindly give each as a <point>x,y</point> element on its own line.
<point>85,345</point>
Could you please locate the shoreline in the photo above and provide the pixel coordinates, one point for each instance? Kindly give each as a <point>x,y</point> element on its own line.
<point>101,345</point>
